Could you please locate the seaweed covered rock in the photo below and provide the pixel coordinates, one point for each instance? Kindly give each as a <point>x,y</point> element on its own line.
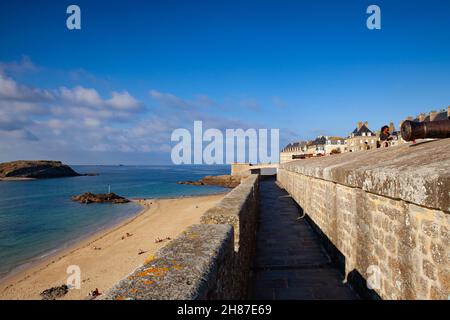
<point>55,292</point>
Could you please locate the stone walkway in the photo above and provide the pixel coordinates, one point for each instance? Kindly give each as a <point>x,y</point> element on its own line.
<point>290,262</point>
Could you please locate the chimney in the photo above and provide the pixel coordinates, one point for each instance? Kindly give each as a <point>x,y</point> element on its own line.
<point>422,117</point>
<point>391,127</point>
<point>410,118</point>
<point>359,124</point>
<point>433,115</point>
<point>448,112</point>
<point>366,124</point>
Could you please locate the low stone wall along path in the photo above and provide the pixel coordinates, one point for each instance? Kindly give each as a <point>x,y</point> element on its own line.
<point>290,262</point>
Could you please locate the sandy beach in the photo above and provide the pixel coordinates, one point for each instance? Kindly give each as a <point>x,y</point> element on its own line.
<point>110,255</point>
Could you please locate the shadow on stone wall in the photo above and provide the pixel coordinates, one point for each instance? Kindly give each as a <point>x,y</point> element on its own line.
<point>354,278</point>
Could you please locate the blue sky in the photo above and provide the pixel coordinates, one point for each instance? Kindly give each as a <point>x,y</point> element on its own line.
<point>113,91</point>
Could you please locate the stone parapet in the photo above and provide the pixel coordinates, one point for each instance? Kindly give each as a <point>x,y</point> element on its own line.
<point>386,211</point>
<point>196,265</point>
<point>239,208</point>
<point>416,173</point>
<point>208,261</point>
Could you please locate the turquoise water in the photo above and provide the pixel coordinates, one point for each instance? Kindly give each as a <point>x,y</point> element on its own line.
<point>37,217</point>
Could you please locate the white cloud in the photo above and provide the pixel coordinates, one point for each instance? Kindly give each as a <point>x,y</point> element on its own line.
<point>18,67</point>
<point>92,123</point>
<point>82,119</point>
<point>10,90</point>
<point>78,118</point>
<point>21,134</point>
<point>123,101</point>
<point>80,95</point>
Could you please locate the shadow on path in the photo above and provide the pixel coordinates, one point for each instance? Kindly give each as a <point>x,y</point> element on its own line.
<point>290,261</point>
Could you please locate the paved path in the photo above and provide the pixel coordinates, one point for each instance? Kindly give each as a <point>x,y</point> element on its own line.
<point>290,262</point>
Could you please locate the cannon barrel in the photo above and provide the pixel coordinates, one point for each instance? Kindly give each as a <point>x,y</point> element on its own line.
<point>422,130</point>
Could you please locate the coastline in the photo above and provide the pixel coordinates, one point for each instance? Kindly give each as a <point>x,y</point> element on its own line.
<point>17,179</point>
<point>159,218</point>
<point>72,245</point>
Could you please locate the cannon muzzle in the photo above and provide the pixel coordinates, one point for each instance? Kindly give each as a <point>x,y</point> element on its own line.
<point>423,130</point>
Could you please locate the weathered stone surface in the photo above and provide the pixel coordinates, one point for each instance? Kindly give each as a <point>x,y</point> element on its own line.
<point>239,208</point>
<point>390,226</point>
<point>196,265</point>
<point>417,173</point>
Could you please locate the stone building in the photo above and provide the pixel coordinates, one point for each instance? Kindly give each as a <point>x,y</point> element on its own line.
<point>362,138</point>
<point>293,151</point>
<point>432,116</point>
<point>324,145</point>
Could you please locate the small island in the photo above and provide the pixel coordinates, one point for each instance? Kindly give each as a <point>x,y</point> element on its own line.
<point>35,169</point>
<point>226,180</point>
<point>89,197</point>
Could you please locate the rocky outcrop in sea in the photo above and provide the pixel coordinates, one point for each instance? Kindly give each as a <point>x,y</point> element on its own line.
<point>226,180</point>
<point>40,169</point>
<point>89,197</point>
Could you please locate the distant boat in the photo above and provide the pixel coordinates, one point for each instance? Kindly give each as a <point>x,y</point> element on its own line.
<point>121,165</point>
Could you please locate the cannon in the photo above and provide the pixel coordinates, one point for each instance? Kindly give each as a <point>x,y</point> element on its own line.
<point>412,130</point>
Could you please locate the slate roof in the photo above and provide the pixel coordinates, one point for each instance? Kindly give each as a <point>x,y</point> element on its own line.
<point>358,132</point>
<point>442,115</point>
<point>319,141</point>
<point>299,144</point>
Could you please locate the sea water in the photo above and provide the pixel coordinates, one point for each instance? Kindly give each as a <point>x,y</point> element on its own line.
<point>37,217</point>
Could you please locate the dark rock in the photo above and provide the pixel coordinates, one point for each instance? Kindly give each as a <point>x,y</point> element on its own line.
<point>40,169</point>
<point>55,292</point>
<point>227,181</point>
<point>89,197</point>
